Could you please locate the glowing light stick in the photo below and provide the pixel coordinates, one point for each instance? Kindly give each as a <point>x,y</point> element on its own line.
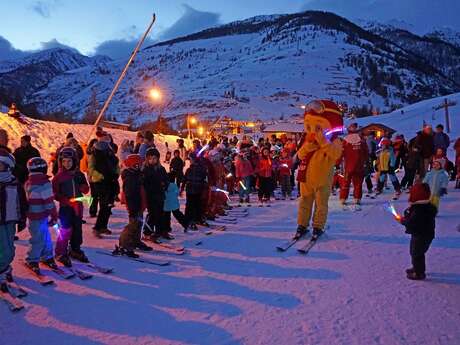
<point>88,200</point>
<point>285,165</point>
<point>242,185</point>
<point>57,229</point>
<point>229,175</point>
<point>204,148</point>
<point>391,208</point>
<point>223,191</point>
<point>333,131</point>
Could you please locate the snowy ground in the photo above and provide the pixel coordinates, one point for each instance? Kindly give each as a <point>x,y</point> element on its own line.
<point>236,288</point>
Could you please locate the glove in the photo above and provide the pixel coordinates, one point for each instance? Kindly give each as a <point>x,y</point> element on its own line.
<point>442,191</point>
<point>21,225</point>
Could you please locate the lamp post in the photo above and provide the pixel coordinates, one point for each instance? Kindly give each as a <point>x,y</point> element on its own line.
<point>190,120</point>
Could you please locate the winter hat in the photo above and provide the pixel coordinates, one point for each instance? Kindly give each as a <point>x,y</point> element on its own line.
<point>26,138</point>
<point>352,127</point>
<point>132,160</point>
<point>385,142</point>
<point>68,152</point>
<point>100,133</point>
<point>69,135</point>
<point>327,110</point>
<point>7,158</point>
<point>152,152</point>
<point>419,192</point>
<point>37,164</point>
<point>441,161</point>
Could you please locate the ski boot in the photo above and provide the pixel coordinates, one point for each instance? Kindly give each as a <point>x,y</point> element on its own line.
<point>167,236</point>
<point>105,231</point>
<point>317,232</point>
<point>357,205</point>
<point>416,276</point>
<point>120,251</point>
<point>143,247</point>
<point>33,266</point>
<point>79,255</point>
<point>193,227</point>
<point>301,231</point>
<point>50,263</point>
<point>410,270</point>
<point>65,260</point>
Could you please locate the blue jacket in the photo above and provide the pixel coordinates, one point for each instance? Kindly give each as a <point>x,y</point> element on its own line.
<point>437,179</point>
<point>171,198</point>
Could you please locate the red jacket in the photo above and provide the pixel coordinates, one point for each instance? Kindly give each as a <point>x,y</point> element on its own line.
<point>264,167</point>
<point>355,153</point>
<point>243,168</point>
<point>285,166</point>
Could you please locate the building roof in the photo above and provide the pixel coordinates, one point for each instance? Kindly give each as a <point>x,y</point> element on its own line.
<point>284,127</point>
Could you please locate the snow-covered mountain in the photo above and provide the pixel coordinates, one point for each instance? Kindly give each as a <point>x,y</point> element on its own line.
<point>263,67</point>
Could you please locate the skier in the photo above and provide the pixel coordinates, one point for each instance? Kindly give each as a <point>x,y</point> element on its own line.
<point>285,174</point>
<point>177,167</point>
<point>172,205</point>
<point>149,142</point>
<point>386,162</point>
<point>355,155</point>
<point>155,184</point>
<point>42,214</point>
<point>438,179</point>
<point>22,155</point>
<point>134,198</point>
<point>243,172</point>
<point>13,208</point>
<point>319,156</point>
<point>68,185</point>
<point>413,163</point>
<point>195,183</point>
<point>419,220</point>
<point>264,174</point>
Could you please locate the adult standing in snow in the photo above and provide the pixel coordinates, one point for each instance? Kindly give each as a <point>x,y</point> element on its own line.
<point>149,142</point>
<point>104,175</point>
<point>22,155</point>
<point>412,163</point>
<point>319,156</point>
<point>426,144</point>
<point>440,139</point>
<point>355,156</point>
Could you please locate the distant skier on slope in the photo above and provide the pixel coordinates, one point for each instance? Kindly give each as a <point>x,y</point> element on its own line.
<point>319,156</point>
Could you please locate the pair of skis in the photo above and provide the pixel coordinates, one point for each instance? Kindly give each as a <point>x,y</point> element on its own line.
<point>305,249</point>
<point>139,259</point>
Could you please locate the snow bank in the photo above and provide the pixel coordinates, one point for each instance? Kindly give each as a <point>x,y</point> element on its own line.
<point>47,136</point>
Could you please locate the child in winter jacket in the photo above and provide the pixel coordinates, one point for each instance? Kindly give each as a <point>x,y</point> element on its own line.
<point>69,185</point>
<point>171,204</point>
<point>155,183</point>
<point>243,172</point>
<point>133,196</point>
<point>438,179</point>
<point>42,213</point>
<point>285,168</point>
<point>264,172</point>
<point>386,165</point>
<point>196,178</point>
<point>13,208</point>
<point>419,220</point>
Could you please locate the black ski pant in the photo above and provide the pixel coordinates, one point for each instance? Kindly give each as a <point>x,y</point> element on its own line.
<point>180,217</point>
<point>265,187</point>
<point>408,178</point>
<point>106,200</point>
<point>369,184</point>
<point>95,201</point>
<point>418,247</point>
<point>193,208</point>
<point>155,222</point>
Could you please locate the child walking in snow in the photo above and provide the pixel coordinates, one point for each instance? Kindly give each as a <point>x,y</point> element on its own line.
<point>42,213</point>
<point>69,184</point>
<point>386,164</point>
<point>172,205</point>
<point>13,208</point>
<point>133,197</point>
<point>419,220</point>
<point>285,174</point>
<point>438,179</point>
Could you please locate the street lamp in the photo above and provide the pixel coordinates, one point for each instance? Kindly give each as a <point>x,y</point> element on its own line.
<point>200,130</point>
<point>191,120</point>
<point>155,94</point>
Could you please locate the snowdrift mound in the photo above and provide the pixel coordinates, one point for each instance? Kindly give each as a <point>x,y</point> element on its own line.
<point>47,136</point>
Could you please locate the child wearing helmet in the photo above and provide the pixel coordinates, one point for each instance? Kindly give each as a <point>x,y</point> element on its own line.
<point>42,213</point>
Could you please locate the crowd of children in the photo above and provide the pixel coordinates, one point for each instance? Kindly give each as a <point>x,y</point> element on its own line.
<point>208,172</point>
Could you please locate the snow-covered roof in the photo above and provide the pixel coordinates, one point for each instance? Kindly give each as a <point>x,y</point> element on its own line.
<point>286,127</point>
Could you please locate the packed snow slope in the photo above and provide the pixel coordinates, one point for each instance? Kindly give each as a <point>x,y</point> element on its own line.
<point>409,120</point>
<point>235,288</point>
<point>47,136</point>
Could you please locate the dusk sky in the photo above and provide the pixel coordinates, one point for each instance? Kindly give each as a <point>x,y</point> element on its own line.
<point>112,26</point>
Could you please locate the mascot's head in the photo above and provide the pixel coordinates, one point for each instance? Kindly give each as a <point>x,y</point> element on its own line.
<point>322,116</point>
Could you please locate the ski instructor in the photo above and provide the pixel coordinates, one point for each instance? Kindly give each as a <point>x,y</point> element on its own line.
<point>318,155</point>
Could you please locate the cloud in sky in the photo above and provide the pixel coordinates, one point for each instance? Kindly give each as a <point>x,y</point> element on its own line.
<point>191,21</point>
<point>44,8</point>
<point>8,52</point>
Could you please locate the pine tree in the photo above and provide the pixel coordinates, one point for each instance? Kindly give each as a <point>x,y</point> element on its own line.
<point>92,109</point>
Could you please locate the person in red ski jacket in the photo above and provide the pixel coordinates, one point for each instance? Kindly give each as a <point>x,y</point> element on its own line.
<point>355,155</point>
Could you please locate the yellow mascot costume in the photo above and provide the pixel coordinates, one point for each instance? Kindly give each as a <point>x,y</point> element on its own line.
<point>318,155</point>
